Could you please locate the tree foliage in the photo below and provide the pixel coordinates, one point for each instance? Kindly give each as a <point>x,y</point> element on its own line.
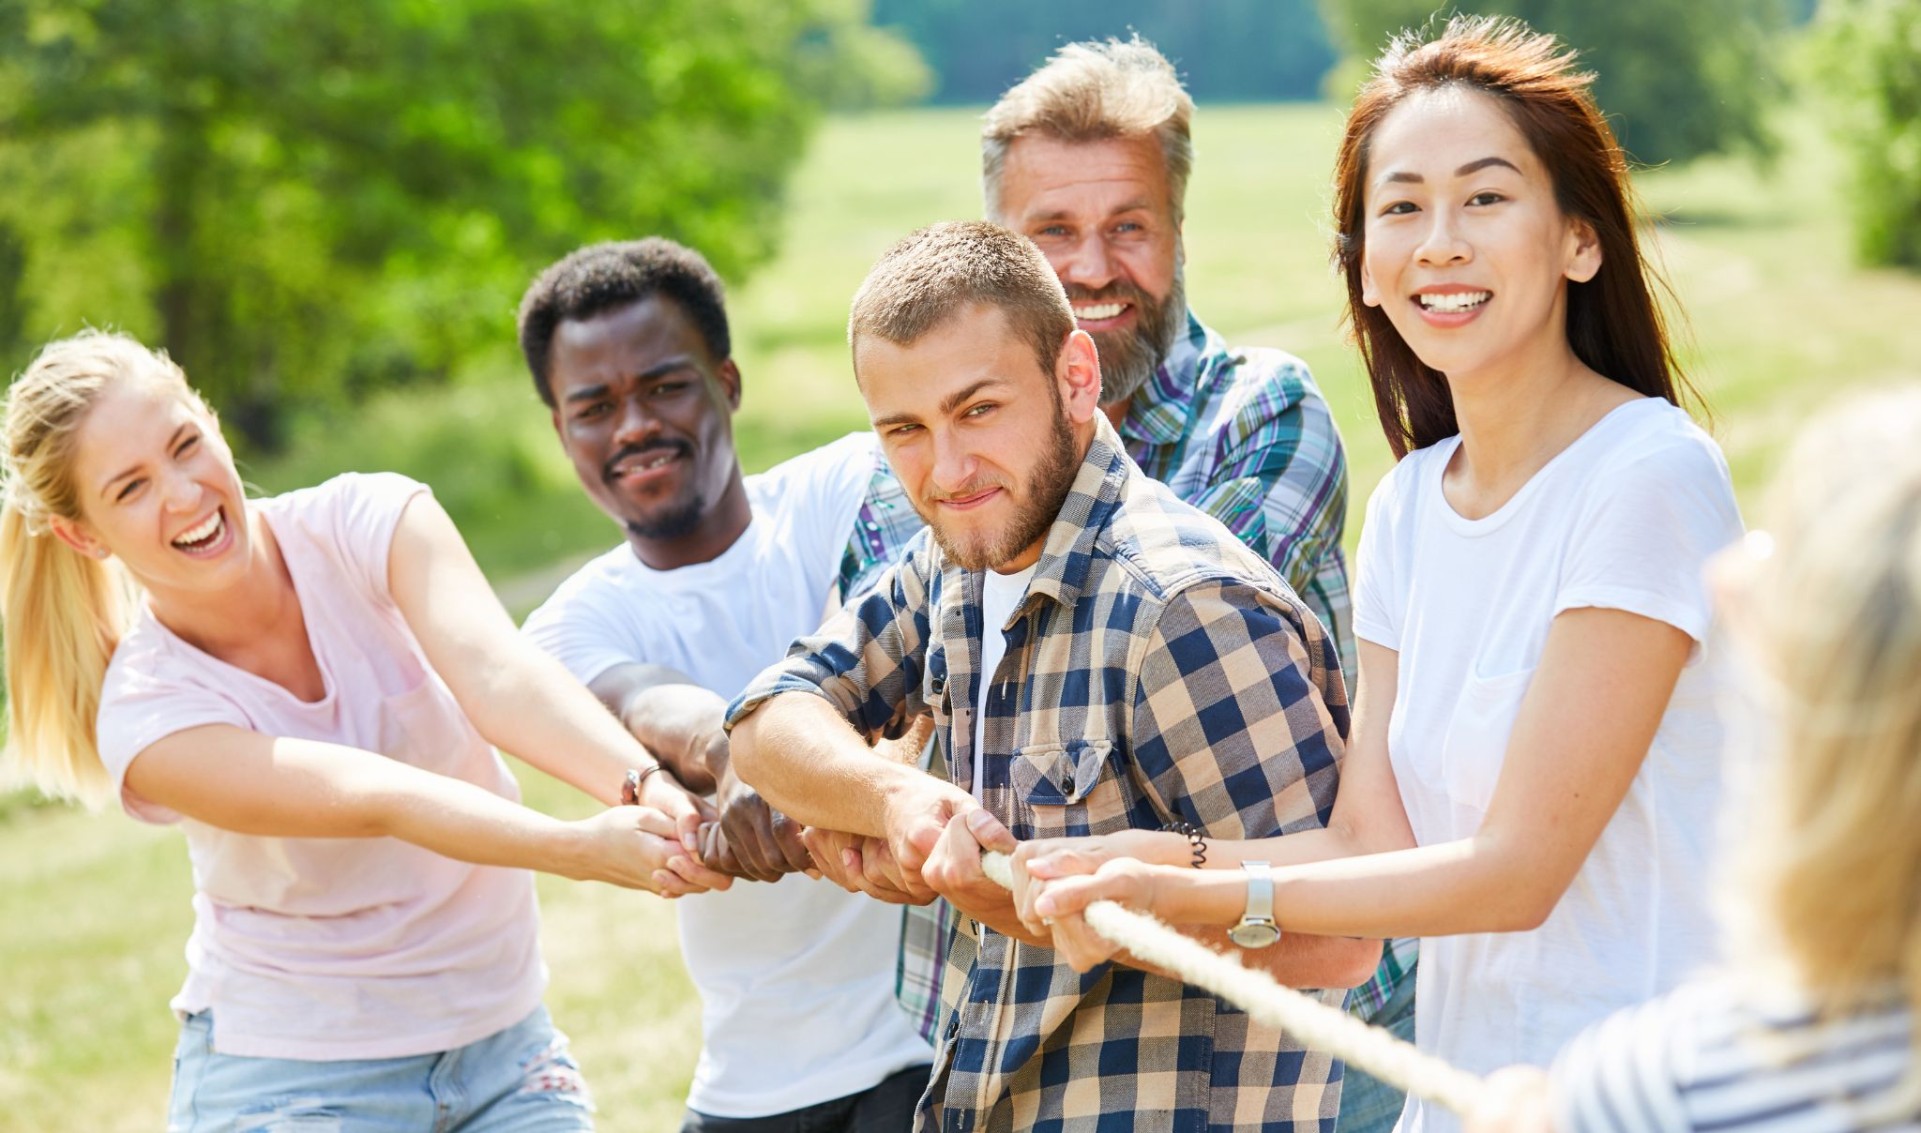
<point>296,196</point>
<point>1871,58</point>
<point>1679,79</point>
<point>1245,50</point>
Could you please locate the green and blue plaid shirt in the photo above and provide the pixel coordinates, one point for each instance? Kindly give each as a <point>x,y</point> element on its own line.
<point>1156,670</point>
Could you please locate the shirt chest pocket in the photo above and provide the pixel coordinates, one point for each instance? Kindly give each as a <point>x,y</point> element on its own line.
<point>1067,790</point>
<point>1475,749</point>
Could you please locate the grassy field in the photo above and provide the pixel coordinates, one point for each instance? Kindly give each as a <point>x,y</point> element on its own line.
<point>94,911</point>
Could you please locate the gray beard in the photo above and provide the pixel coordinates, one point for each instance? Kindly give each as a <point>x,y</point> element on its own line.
<point>1129,361</point>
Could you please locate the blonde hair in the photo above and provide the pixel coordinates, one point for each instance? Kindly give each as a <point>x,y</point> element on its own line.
<point>1832,868</point>
<point>1091,92</point>
<point>927,278</point>
<point>63,612</point>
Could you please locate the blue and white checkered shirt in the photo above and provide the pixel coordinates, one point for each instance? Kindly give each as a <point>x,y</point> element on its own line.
<point>1156,670</point>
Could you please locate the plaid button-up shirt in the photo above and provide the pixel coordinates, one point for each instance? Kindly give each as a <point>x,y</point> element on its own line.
<point>1245,436</point>
<point>1155,670</point>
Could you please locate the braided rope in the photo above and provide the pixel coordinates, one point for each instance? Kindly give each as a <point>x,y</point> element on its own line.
<point>1311,1022</point>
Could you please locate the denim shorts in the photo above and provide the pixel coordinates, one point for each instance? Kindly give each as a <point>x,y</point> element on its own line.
<point>521,1080</point>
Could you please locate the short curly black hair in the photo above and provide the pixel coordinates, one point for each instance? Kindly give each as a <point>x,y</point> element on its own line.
<point>600,277</point>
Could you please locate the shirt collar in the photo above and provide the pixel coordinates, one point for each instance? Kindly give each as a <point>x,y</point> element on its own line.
<point>1061,571</point>
<point>1160,410</point>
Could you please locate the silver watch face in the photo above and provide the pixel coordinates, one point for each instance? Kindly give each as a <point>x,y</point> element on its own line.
<point>1254,934</point>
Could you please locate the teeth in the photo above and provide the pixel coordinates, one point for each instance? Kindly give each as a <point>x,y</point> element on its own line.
<point>1100,311</point>
<point>201,533</point>
<point>1454,301</point>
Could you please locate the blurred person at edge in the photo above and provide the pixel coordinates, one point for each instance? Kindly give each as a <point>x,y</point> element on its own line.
<point>1534,774</point>
<point>1810,1027</point>
<point>311,686</point>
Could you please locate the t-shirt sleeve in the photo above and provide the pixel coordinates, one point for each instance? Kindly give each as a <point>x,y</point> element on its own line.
<point>822,492</point>
<point>1648,528</point>
<point>1621,1075</point>
<point>580,627</point>
<point>365,510</point>
<point>1378,595</point>
<point>139,709</point>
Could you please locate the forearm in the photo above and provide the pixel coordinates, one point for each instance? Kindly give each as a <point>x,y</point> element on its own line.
<point>457,820</point>
<point>674,718</point>
<point>527,704</point>
<point>1470,885</point>
<point>808,762</point>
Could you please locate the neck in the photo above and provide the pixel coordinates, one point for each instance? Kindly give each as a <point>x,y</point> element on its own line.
<point>1117,411</point>
<point>1515,417</point>
<point>718,529</point>
<point>222,623</point>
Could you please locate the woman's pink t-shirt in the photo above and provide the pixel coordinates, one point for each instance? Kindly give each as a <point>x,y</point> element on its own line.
<point>334,948</point>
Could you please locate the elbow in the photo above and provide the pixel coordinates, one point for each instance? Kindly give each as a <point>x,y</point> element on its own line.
<point>1357,964</point>
<point>744,752</point>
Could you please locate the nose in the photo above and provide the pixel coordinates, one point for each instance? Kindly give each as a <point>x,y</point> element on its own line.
<point>179,491</point>
<point>1087,264</point>
<point>1443,241</point>
<point>633,423</point>
<point>954,463</point>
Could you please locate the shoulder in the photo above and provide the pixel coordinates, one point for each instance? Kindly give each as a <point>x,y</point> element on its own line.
<point>850,459</point>
<point>1265,391</point>
<point>1658,437</point>
<point>1166,546</point>
<point>1400,490</point>
<point>1655,457</point>
<point>604,578</point>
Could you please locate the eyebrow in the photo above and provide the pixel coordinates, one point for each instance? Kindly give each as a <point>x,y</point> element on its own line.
<point>671,365</point>
<point>1139,204</point>
<point>948,404</point>
<point>1472,167</point>
<point>107,486</point>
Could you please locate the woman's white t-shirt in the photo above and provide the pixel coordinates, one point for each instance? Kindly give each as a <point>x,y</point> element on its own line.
<point>1624,518</point>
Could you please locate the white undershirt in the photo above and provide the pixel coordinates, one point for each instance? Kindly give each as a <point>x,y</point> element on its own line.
<point>1000,594</point>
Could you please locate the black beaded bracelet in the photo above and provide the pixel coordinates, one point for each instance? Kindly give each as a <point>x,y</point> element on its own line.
<point>1195,839</point>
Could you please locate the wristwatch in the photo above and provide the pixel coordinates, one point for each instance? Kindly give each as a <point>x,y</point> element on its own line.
<point>1257,928</point>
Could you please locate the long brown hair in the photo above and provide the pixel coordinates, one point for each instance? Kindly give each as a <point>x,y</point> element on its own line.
<point>1613,322</point>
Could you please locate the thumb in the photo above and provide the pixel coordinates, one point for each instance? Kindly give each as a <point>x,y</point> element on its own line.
<point>988,831</point>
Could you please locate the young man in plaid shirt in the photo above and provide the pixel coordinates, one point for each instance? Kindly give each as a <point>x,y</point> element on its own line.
<point>1089,158</point>
<point>1098,657</point>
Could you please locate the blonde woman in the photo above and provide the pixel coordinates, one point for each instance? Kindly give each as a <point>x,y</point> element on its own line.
<point>1812,1029</point>
<point>310,686</point>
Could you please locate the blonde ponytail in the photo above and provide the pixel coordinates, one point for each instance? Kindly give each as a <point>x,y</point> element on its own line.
<point>63,612</point>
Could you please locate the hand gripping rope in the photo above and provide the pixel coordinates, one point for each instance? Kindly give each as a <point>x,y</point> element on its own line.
<point>1315,1024</point>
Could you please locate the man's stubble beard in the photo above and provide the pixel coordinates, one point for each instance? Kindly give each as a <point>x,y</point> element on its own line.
<point>1043,494</point>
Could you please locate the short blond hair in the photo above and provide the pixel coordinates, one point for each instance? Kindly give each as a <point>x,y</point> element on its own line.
<point>1092,92</point>
<point>1831,864</point>
<point>932,275</point>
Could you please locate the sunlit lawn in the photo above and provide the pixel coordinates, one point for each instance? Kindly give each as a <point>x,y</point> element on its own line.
<point>94,912</point>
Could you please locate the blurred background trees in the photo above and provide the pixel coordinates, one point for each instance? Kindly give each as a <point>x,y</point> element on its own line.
<point>1870,59</point>
<point>306,200</point>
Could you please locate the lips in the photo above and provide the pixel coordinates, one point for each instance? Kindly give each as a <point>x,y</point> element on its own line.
<point>211,535</point>
<point>640,460</point>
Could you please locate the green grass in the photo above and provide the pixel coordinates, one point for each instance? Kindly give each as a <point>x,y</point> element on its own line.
<point>94,912</point>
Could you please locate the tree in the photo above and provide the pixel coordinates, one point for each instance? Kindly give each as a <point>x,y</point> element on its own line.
<point>1871,59</point>
<point>295,196</point>
<point>1679,79</point>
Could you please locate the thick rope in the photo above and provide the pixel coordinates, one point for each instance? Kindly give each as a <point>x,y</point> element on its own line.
<point>1313,1023</point>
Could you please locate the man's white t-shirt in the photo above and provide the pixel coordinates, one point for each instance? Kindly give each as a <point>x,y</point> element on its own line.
<point>1000,594</point>
<point>796,977</point>
<point>1624,518</point>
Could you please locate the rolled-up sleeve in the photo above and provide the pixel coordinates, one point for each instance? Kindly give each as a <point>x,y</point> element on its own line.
<point>1236,724</point>
<point>868,659</point>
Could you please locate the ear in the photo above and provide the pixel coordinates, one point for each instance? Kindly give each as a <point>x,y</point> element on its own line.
<point>76,535</point>
<point>729,375</point>
<point>1584,251</point>
<point>1369,296</point>
<point>1078,373</point>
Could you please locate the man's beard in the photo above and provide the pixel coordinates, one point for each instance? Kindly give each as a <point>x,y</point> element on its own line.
<point>1130,357</point>
<point>675,522</point>
<point>1037,507</point>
